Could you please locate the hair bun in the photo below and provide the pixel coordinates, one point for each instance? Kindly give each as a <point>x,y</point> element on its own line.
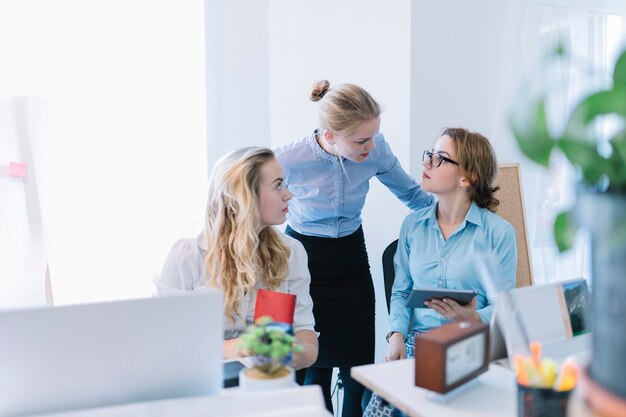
<point>319,90</point>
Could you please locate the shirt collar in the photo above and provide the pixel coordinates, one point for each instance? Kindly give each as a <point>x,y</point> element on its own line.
<point>472,216</point>
<point>318,151</point>
<point>431,214</point>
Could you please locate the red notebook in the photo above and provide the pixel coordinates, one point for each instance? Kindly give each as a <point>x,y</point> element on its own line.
<point>278,305</point>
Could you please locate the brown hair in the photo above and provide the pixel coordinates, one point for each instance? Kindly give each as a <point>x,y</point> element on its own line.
<point>344,107</point>
<point>478,163</point>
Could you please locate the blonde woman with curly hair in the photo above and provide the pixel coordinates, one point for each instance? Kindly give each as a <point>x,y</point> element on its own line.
<point>240,252</point>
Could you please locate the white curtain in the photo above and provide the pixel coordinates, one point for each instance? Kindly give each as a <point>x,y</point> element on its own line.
<point>592,32</point>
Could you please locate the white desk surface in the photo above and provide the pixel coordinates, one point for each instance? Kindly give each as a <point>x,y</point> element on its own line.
<point>297,401</point>
<point>494,394</point>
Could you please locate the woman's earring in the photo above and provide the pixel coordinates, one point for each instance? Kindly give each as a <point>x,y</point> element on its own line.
<point>330,138</point>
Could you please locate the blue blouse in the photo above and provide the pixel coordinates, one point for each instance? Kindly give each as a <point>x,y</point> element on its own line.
<point>327,202</point>
<point>425,260</point>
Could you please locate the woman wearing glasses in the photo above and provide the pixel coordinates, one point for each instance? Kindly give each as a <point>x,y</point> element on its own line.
<point>328,173</point>
<point>436,243</point>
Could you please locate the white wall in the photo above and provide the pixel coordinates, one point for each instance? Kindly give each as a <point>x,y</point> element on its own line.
<point>460,65</point>
<point>130,157</point>
<point>237,75</point>
<point>347,41</point>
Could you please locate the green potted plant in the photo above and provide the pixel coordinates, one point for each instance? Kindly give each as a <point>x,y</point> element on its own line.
<point>270,347</point>
<point>600,209</point>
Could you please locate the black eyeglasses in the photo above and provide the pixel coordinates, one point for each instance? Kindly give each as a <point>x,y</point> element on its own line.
<point>436,159</point>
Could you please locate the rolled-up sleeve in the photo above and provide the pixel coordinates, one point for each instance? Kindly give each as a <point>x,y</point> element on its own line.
<point>298,283</point>
<point>398,181</point>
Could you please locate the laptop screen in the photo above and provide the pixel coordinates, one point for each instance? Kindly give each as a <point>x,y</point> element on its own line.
<point>94,355</point>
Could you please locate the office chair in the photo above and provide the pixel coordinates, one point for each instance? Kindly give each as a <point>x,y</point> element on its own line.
<point>388,272</point>
<point>511,209</point>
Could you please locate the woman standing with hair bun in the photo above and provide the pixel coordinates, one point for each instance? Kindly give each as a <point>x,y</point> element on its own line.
<point>328,173</point>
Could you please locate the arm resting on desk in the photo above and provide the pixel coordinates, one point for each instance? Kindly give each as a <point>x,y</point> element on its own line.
<point>308,340</point>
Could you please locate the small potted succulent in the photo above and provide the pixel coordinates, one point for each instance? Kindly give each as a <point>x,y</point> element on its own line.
<point>270,346</point>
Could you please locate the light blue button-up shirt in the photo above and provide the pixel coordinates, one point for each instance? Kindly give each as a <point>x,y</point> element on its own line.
<point>425,260</point>
<point>328,202</point>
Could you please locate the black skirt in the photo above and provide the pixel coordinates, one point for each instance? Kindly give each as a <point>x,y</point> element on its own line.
<point>343,298</point>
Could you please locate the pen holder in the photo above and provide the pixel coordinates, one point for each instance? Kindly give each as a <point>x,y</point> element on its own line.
<point>541,402</point>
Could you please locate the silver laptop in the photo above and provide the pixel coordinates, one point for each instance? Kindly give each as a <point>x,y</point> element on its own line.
<point>93,355</point>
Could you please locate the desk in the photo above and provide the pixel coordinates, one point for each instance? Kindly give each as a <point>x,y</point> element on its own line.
<point>493,395</point>
<point>297,401</point>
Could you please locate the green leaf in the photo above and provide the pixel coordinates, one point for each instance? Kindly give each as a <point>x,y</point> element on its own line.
<point>564,231</point>
<point>597,104</point>
<point>617,161</point>
<point>618,142</point>
<point>585,156</point>
<point>619,73</point>
<point>530,130</point>
<point>264,320</point>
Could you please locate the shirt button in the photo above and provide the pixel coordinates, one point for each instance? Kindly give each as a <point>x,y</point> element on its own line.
<point>443,260</point>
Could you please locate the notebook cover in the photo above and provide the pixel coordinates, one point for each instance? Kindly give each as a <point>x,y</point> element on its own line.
<point>279,306</point>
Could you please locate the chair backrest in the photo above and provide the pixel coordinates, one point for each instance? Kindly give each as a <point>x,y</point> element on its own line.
<point>388,270</point>
<point>511,209</point>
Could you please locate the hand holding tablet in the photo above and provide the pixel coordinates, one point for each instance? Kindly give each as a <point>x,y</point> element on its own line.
<point>420,295</point>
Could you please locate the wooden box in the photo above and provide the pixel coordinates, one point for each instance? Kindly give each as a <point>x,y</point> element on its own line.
<point>451,355</point>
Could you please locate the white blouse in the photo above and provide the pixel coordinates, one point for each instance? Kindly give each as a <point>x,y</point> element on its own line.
<point>184,271</point>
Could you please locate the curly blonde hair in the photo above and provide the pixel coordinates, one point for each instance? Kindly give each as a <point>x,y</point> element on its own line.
<point>240,251</point>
